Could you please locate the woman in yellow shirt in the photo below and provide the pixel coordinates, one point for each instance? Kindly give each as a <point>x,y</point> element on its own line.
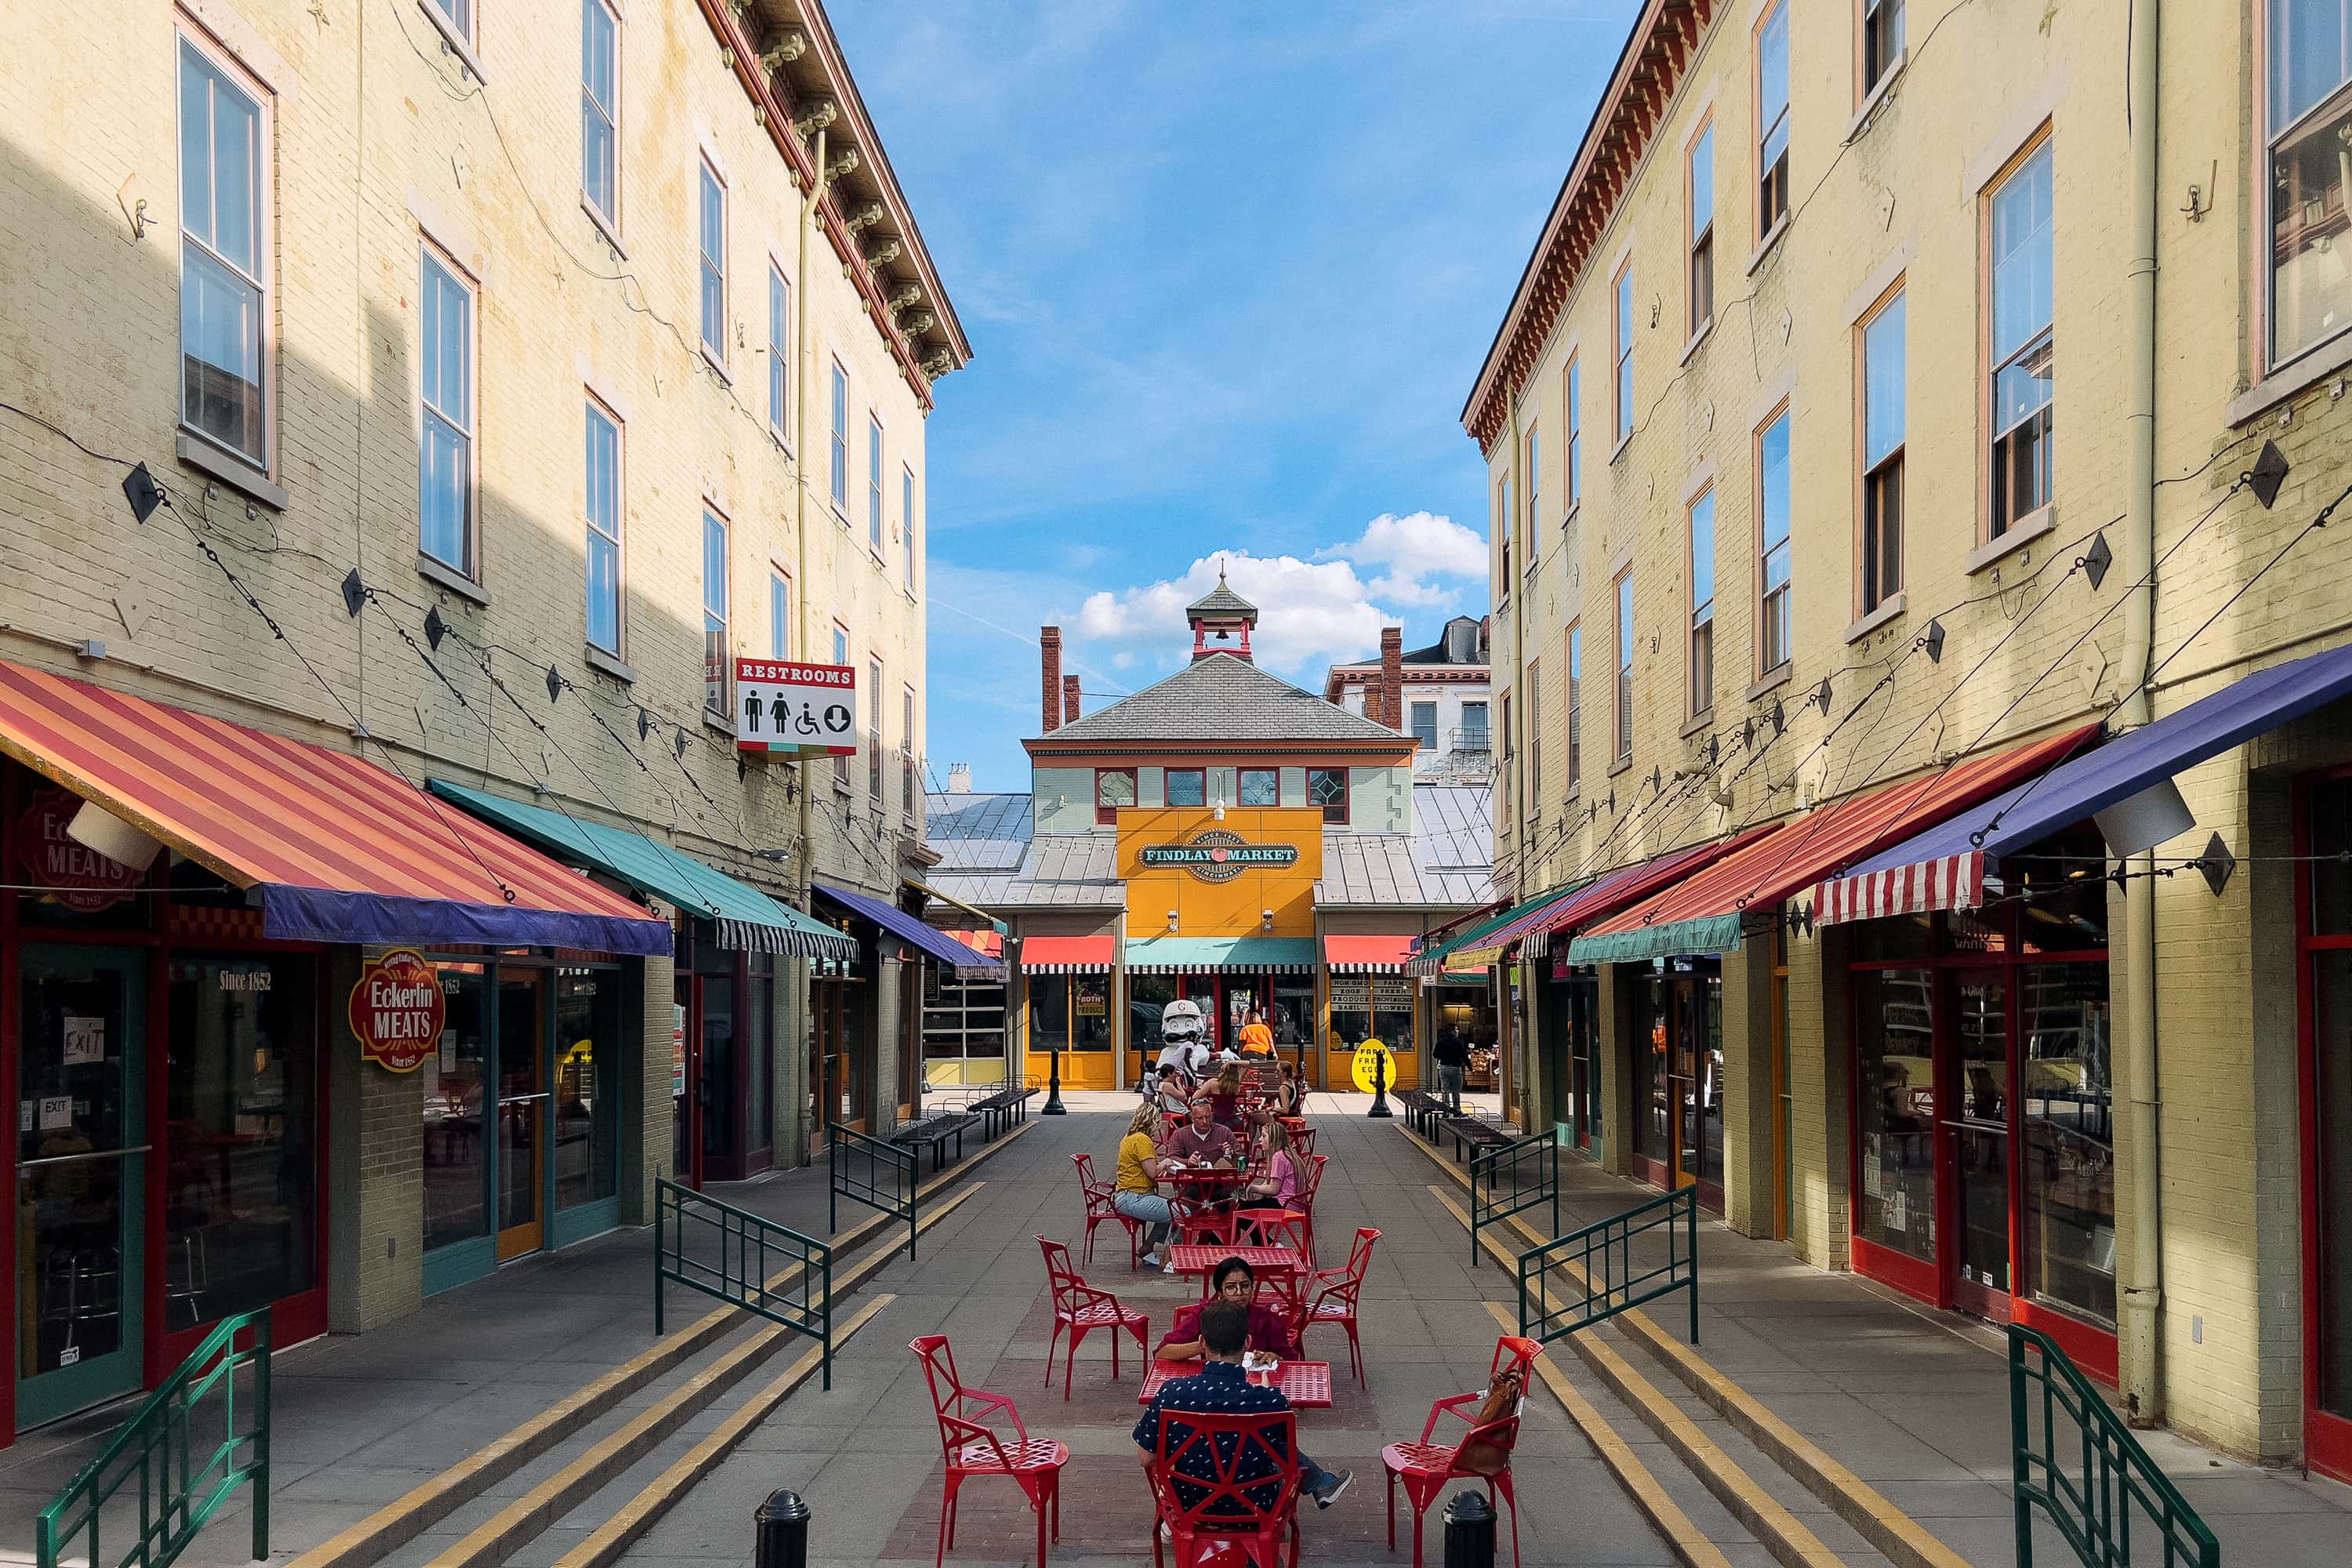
<point>1137,1193</point>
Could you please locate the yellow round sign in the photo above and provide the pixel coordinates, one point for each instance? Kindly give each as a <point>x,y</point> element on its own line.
<point>1371,1057</point>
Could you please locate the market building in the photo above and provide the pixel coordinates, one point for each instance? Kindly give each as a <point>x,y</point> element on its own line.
<point>1221,836</point>
<point>399,482</point>
<point>1945,881</point>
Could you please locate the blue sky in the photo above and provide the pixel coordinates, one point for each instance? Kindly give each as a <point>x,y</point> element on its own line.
<point>1228,271</point>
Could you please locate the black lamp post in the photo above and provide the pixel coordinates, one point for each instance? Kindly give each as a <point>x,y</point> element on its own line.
<point>1380,1089</point>
<point>1054,1106</point>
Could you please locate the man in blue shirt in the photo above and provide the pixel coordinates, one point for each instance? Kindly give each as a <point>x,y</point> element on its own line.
<point>1223,1388</point>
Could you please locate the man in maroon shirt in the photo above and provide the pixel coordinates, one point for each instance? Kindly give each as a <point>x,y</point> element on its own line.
<point>1202,1140</point>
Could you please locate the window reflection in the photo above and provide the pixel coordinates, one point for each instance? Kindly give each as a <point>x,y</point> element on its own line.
<point>2070,1152</point>
<point>455,1204</point>
<point>587,1086</point>
<point>1894,1096</point>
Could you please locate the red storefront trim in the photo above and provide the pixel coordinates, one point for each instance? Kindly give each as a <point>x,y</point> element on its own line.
<point>2326,1438</point>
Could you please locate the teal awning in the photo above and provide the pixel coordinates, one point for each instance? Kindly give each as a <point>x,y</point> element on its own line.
<point>746,917</point>
<point>1708,933</point>
<point>1175,954</point>
<point>1433,961</point>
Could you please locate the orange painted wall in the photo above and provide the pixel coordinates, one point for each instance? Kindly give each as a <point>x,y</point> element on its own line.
<point>1221,909</point>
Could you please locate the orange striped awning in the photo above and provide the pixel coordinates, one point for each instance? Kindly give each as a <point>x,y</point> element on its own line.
<point>337,849</point>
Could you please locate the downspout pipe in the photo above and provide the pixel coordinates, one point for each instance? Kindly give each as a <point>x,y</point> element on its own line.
<point>1511,1058</point>
<point>801,573</point>
<point>2142,1296</point>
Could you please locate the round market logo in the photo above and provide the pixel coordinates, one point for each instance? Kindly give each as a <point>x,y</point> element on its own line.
<point>1220,855</point>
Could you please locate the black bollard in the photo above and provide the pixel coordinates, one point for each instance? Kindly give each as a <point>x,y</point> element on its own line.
<point>1381,1088</point>
<point>1469,1531</point>
<point>780,1533</point>
<point>1054,1106</point>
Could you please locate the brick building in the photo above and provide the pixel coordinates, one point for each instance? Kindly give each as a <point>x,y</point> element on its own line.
<point>415,411</point>
<point>1772,441</point>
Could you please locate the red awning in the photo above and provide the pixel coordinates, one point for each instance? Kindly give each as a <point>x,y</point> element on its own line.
<point>1366,954</point>
<point>1704,913</point>
<point>987,943</point>
<point>337,849</point>
<point>1067,955</point>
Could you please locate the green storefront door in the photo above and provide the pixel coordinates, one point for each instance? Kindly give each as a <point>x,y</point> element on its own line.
<point>80,1178</point>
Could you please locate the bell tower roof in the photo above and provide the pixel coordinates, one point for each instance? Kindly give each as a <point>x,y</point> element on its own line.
<point>1218,618</point>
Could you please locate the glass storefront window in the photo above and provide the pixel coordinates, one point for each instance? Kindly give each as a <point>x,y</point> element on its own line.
<point>1897,939</point>
<point>1291,1017</point>
<point>2070,1152</point>
<point>1090,1012</point>
<point>1147,996</point>
<point>2065,880</point>
<point>1392,996</point>
<point>964,1029</point>
<point>2329,816</point>
<point>718,1063</point>
<point>1980,1130</point>
<point>587,1100</point>
<point>240,1190</point>
<point>2331,1041</point>
<point>456,1205</point>
<point>1351,1011</point>
<point>759,1049</point>
<point>1894,1100</point>
<point>1049,1014</point>
<point>1653,1134</point>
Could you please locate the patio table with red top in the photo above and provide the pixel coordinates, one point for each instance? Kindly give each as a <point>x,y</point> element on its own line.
<point>1203,1260</point>
<point>1306,1384</point>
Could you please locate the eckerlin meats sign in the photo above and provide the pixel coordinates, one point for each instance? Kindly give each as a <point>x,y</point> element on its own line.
<point>1218,856</point>
<point>397,1010</point>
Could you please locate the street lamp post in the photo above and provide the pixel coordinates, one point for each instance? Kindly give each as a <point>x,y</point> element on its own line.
<point>1380,1089</point>
<point>1054,1106</point>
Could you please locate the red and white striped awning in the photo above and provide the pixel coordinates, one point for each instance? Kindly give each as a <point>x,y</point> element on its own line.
<point>1947,882</point>
<point>1065,954</point>
<point>1366,954</point>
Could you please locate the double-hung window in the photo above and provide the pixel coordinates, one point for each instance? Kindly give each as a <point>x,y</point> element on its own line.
<point>1534,799</point>
<point>1626,666</point>
<point>224,254</point>
<point>2021,342</point>
<point>1261,786</point>
<point>1882,40</point>
<point>1503,530</point>
<point>1700,655</point>
<point>1883,418</point>
<point>873,734</point>
<point>907,517</point>
<point>599,110</point>
<point>1575,708</point>
<point>906,756</point>
<point>445,469</point>
<point>717,670</point>
<point>711,242</point>
<point>780,613</point>
<point>841,660</point>
<point>840,440</point>
<point>780,358</point>
<point>1702,230</point>
<point>1188,786</point>
<point>1573,469</point>
<point>604,510</point>
<point>1475,735</point>
<point>1328,788</point>
<point>1772,551</point>
<point>1535,505</point>
<point>2308,128</point>
<point>1621,355</point>
<point>1772,120</point>
<point>874,484</point>
<point>1425,726</point>
<point>460,15</point>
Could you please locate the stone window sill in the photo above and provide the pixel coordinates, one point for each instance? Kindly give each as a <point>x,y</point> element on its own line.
<point>236,474</point>
<point>1705,331</point>
<point>1699,725</point>
<point>2313,366</point>
<point>2033,525</point>
<point>1771,680</point>
<point>444,575</point>
<point>460,44</point>
<point>1889,609</point>
<point>1859,124</point>
<point>610,664</point>
<point>1764,245</point>
<point>605,226</point>
<point>1622,764</point>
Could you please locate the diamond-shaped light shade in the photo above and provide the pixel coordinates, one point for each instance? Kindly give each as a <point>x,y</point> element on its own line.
<point>644,722</point>
<point>140,488</point>
<point>2096,564</point>
<point>435,629</point>
<point>354,592</point>
<point>2216,864</point>
<point>2268,473</point>
<point>1933,642</point>
<point>1823,696</point>
<point>554,683</point>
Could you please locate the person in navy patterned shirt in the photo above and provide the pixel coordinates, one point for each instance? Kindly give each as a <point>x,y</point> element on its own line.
<point>1223,1388</point>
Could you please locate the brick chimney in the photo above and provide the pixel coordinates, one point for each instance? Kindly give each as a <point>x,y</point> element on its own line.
<point>1393,677</point>
<point>1049,648</point>
<point>1069,700</point>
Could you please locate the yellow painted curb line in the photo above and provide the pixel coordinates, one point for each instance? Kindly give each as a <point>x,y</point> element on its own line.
<point>1689,1544</point>
<point>430,1501</point>
<point>1902,1540</point>
<point>524,1519</point>
<point>606,1544</point>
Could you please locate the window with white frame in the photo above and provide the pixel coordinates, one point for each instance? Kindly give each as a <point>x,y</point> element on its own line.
<point>1503,529</point>
<point>907,761</point>
<point>604,509</point>
<point>874,732</point>
<point>1573,469</point>
<point>1699,656</point>
<point>1884,353</point>
<point>1772,120</point>
<point>458,13</point>
<point>1575,707</point>
<point>224,254</point>
<point>445,482</point>
<point>907,517</point>
<point>841,659</point>
<point>1882,39</point>
<point>711,240</point>
<point>840,647</point>
<point>1535,491</point>
<point>1700,172</point>
<point>1535,741</point>
<point>780,359</point>
<point>600,109</point>
<point>1425,726</point>
<point>874,484</point>
<point>2307,113</point>
<point>1774,559</point>
<point>840,440</point>
<point>2022,342</point>
<point>1621,376</point>
<point>1626,666</point>
<point>780,613</point>
<point>718,662</point>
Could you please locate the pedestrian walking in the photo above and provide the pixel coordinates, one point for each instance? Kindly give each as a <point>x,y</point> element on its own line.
<point>1452,1059</point>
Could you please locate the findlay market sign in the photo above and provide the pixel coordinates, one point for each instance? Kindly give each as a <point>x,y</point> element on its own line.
<point>1219,855</point>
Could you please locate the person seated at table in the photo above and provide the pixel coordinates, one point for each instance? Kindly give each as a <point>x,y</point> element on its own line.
<point>1231,1281</point>
<point>1222,1388</point>
<point>1137,1193</point>
<point>1286,1098</point>
<point>1281,1174</point>
<point>1223,1095</point>
<point>1202,1140</point>
<point>1172,1095</point>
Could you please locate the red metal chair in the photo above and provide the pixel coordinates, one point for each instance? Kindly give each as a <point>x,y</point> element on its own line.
<point>1333,1296</point>
<point>1222,1521</point>
<point>1425,1466</point>
<point>1271,1227</point>
<point>1311,1182</point>
<point>1198,1220</point>
<point>1101,1208</point>
<point>1302,1138</point>
<point>1080,1309</point>
<point>971,1448</point>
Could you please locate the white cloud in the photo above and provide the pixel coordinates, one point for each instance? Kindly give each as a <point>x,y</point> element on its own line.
<point>1416,548</point>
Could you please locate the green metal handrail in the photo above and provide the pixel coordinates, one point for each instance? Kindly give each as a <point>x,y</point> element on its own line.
<point>1490,1203</point>
<point>2087,1471</point>
<point>1612,1283</point>
<point>768,1269</point>
<point>182,1478</point>
<point>845,1149</point>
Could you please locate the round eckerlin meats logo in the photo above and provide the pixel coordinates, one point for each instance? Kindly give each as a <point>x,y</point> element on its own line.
<point>397,1010</point>
<point>1220,855</point>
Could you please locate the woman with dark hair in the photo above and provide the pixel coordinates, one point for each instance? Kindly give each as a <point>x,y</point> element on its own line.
<point>1231,1281</point>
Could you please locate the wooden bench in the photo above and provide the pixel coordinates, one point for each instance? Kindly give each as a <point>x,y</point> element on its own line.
<point>936,1130</point>
<point>1471,1133</point>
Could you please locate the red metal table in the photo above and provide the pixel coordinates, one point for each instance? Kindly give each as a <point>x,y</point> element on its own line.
<point>1306,1384</point>
<point>1202,1258</point>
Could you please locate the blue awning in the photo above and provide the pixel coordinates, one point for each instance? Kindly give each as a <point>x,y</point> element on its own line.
<point>933,942</point>
<point>1947,867</point>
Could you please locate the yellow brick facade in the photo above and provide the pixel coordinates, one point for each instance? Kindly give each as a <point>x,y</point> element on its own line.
<point>1890,188</point>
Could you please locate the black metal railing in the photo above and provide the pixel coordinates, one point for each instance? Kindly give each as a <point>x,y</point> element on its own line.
<point>1512,1179</point>
<point>1592,1275</point>
<point>744,1259</point>
<point>2073,1457</point>
<point>178,1460</point>
<point>872,1171</point>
